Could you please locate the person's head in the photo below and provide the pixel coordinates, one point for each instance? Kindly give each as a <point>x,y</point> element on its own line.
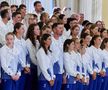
<point>73,22</point>
<point>63,18</point>
<point>104,33</point>
<point>96,41</point>
<point>99,24</point>
<point>104,44</point>
<point>38,6</point>
<point>86,39</point>
<point>88,25</point>
<point>45,42</point>
<point>57,12</point>
<point>5,14</point>
<point>18,29</point>
<point>46,30</point>
<point>54,19</point>
<point>76,16</point>
<point>84,23</point>
<point>4,5</point>
<point>77,44</point>
<point>85,30</point>
<point>58,28</point>
<point>49,23</point>
<point>16,16</point>
<point>75,30</point>
<point>44,17</point>
<point>32,33</point>
<point>22,10</point>
<point>94,30</point>
<point>14,8</point>
<point>9,37</point>
<point>69,45</point>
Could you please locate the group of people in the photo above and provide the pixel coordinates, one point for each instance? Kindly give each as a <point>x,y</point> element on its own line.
<point>42,52</point>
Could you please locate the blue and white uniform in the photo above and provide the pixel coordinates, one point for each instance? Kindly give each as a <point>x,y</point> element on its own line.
<point>96,60</point>
<point>45,69</point>
<point>10,62</point>
<point>71,72</point>
<point>33,63</point>
<point>21,45</point>
<point>57,53</point>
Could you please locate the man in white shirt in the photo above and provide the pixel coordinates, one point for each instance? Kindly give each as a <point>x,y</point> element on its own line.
<point>38,9</point>
<point>3,25</point>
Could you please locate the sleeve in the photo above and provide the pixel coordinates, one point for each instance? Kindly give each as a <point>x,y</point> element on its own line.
<point>4,64</point>
<point>43,64</point>
<point>69,68</point>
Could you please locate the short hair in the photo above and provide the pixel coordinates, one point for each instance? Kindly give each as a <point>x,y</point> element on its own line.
<point>14,6</point>
<point>14,14</point>
<point>36,2</point>
<point>22,6</point>
<point>4,3</point>
<point>3,13</point>
<point>17,26</point>
<point>55,25</point>
<point>61,16</point>
<point>9,33</point>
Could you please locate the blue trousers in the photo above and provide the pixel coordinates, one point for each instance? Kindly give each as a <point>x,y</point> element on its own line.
<point>9,84</point>
<point>58,82</point>
<point>105,83</point>
<point>22,81</point>
<point>92,84</point>
<point>44,85</point>
<point>69,87</point>
<point>79,86</point>
<point>34,77</point>
<point>99,82</point>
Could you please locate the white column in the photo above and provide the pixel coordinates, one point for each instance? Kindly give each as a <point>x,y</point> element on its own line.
<point>97,10</point>
<point>85,6</point>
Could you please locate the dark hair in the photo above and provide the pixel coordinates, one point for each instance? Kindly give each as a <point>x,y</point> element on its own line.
<point>103,43</point>
<point>84,35</point>
<point>22,6</point>
<point>4,13</point>
<point>85,22</point>
<point>3,4</point>
<point>17,26</point>
<point>14,6</point>
<point>9,33</point>
<point>42,44</point>
<point>55,25</point>
<point>37,2</point>
<point>34,15</point>
<point>61,16</point>
<point>66,43</point>
<point>30,33</point>
<point>14,14</point>
<point>94,38</point>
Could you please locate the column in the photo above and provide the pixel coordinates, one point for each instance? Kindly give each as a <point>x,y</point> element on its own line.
<point>85,7</point>
<point>97,10</point>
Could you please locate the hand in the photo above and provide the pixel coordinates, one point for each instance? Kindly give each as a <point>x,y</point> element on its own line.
<point>94,75</point>
<point>64,79</point>
<point>15,77</point>
<point>102,73</point>
<point>87,82</point>
<point>77,77</point>
<point>83,79</point>
<point>26,70</point>
<point>51,82</point>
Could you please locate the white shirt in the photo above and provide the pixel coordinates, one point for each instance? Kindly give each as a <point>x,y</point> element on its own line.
<point>21,45</point>
<point>70,63</point>
<point>32,50</point>
<point>57,52</point>
<point>10,58</point>
<point>96,57</point>
<point>45,63</point>
<point>3,31</point>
